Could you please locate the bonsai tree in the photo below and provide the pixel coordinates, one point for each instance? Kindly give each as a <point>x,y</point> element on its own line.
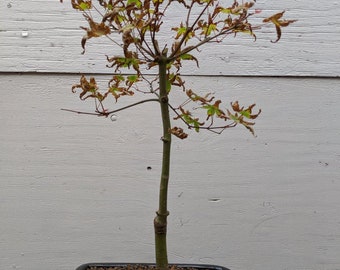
<point>134,27</point>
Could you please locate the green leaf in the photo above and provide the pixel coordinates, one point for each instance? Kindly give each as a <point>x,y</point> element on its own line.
<point>181,31</point>
<point>234,117</point>
<point>210,109</point>
<point>81,4</point>
<point>191,121</point>
<point>84,6</point>
<point>212,27</point>
<point>246,113</point>
<point>213,109</point>
<point>188,56</point>
<point>119,78</point>
<point>138,3</point>
<point>132,78</point>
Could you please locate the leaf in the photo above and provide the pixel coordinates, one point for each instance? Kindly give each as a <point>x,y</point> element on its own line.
<point>137,3</point>
<point>237,9</point>
<point>187,33</point>
<point>178,132</point>
<point>113,16</point>
<point>276,20</point>
<point>245,112</point>
<point>194,97</point>
<point>187,56</point>
<point>84,6</point>
<point>115,88</point>
<point>241,113</point>
<point>124,62</point>
<point>81,4</point>
<point>89,89</point>
<point>132,78</point>
<point>214,109</point>
<point>208,28</point>
<point>176,80</point>
<point>189,120</point>
<point>180,30</point>
<point>95,30</point>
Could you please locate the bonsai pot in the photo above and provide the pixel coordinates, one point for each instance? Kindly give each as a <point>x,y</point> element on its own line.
<point>106,266</point>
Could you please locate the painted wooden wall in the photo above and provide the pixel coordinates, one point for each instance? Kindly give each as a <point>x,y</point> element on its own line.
<point>76,188</point>
<point>40,35</point>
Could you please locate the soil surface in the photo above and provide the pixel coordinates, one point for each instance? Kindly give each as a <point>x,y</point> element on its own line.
<point>139,267</point>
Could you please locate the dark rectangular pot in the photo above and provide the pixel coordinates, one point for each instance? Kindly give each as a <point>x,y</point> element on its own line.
<point>197,266</point>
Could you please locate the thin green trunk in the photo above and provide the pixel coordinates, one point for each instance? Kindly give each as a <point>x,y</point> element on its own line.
<point>160,221</point>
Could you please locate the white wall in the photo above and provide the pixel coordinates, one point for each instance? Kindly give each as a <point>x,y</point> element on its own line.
<point>76,188</point>
<point>308,47</point>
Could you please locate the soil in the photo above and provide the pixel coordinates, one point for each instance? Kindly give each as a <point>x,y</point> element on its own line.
<point>139,267</point>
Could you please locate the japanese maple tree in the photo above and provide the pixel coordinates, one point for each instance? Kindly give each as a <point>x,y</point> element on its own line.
<point>135,27</point>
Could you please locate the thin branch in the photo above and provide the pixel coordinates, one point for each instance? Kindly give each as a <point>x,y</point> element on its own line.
<point>189,14</point>
<point>172,56</point>
<point>78,112</point>
<point>106,114</point>
<point>152,31</point>
<point>209,128</point>
<point>147,50</point>
<point>132,105</point>
<point>204,41</point>
<point>115,42</point>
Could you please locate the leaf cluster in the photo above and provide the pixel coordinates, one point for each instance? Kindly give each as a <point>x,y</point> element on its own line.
<point>213,111</point>
<point>134,27</point>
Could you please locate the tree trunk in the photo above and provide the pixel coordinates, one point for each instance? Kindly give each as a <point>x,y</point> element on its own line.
<point>160,221</point>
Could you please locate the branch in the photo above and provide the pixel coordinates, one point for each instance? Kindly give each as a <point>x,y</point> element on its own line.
<point>106,114</point>
<point>178,49</point>
<point>204,41</point>
<point>209,128</point>
<point>132,105</point>
<point>78,112</point>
